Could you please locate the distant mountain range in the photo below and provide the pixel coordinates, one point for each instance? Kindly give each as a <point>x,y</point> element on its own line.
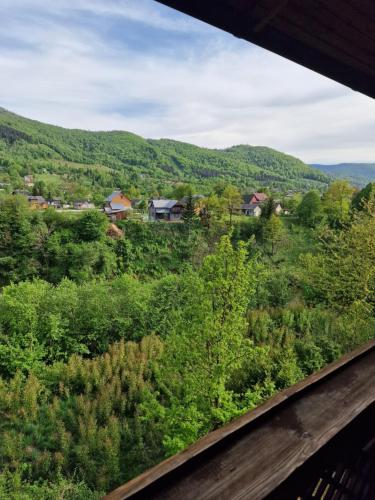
<point>107,159</point>
<point>358,174</point>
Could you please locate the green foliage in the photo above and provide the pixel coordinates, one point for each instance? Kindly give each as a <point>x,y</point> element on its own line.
<point>91,226</point>
<point>89,164</point>
<point>337,201</point>
<point>310,210</point>
<point>364,200</point>
<point>273,233</point>
<point>342,274</point>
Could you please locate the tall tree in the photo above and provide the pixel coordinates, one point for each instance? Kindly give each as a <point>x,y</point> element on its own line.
<point>336,202</point>
<point>268,208</point>
<point>364,200</point>
<point>189,215</point>
<point>273,233</point>
<point>310,210</point>
<point>208,343</point>
<point>232,200</point>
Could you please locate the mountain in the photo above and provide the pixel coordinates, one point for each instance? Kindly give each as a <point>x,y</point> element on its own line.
<point>84,161</point>
<point>358,174</point>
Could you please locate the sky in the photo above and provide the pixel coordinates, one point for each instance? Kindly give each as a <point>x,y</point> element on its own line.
<point>139,66</point>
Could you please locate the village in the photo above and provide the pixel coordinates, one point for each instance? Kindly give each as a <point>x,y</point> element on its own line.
<point>117,206</point>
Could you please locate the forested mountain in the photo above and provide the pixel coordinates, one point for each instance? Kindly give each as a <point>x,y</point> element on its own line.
<point>358,174</point>
<point>84,160</point>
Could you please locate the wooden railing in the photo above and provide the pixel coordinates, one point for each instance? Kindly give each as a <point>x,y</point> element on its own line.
<point>293,446</point>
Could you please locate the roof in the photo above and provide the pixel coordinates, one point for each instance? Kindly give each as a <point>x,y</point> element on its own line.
<point>334,38</point>
<point>117,206</point>
<point>250,206</point>
<point>39,199</point>
<point>113,195</point>
<point>163,203</point>
<point>260,196</point>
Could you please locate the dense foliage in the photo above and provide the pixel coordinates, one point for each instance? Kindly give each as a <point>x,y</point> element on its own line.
<point>105,341</point>
<point>76,164</point>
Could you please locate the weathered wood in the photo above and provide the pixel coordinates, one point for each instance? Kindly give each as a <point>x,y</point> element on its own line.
<point>334,38</point>
<point>256,453</point>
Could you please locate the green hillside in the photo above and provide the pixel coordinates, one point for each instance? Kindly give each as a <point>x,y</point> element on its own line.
<point>83,163</point>
<point>358,174</point>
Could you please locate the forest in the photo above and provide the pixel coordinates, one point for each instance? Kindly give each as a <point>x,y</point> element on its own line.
<point>104,342</point>
<point>78,164</point>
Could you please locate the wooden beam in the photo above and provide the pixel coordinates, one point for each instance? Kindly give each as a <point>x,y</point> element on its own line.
<point>253,455</point>
<point>348,65</point>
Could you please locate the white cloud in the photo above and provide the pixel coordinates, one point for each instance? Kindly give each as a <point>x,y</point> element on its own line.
<point>221,92</point>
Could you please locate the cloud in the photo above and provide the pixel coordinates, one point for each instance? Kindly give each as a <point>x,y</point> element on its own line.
<point>138,66</point>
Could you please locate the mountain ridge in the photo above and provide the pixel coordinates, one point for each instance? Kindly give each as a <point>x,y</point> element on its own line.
<point>358,174</point>
<point>35,147</point>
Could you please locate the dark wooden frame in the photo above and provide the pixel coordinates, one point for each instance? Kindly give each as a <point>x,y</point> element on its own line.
<point>280,436</point>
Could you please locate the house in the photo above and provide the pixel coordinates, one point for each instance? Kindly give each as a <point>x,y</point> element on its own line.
<point>169,210</point>
<point>251,209</point>
<point>55,203</point>
<point>255,198</point>
<point>37,202</point>
<point>117,205</point>
<point>83,205</point>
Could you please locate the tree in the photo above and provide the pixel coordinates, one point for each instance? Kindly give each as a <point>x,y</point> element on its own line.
<point>336,202</point>
<point>273,233</point>
<point>310,210</point>
<point>188,214</point>
<point>91,226</point>
<point>232,200</point>
<point>342,274</point>
<point>364,200</point>
<point>268,208</point>
<point>40,189</point>
<point>209,343</point>
<point>182,190</point>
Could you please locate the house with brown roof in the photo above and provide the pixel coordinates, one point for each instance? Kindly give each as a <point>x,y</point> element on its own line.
<point>117,205</point>
<point>37,202</point>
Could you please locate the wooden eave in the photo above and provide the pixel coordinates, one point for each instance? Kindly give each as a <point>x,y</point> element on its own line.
<point>335,38</point>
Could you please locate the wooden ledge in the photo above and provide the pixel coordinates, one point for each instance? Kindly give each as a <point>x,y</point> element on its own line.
<point>251,456</point>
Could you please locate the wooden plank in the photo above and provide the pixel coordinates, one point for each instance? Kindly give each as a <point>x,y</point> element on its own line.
<point>252,455</point>
<point>306,24</point>
<point>287,41</point>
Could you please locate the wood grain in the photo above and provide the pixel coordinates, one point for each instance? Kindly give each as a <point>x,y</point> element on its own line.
<point>254,454</point>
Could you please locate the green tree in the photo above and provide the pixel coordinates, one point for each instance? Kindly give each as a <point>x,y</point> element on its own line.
<point>274,233</point>
<point>310,210</point>
<point>337,201</point>
<point>268,208</point>
<point>232,201</point>
<point>91,226</point>
<point>189,215</point>
<point>364,200</point>
<point>208,343</point>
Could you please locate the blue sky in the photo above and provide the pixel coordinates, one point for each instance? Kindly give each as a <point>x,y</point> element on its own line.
<point>139,66</point>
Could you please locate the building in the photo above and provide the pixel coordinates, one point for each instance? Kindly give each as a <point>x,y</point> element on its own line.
<point>251,209</point>
<point>255,198</point>
<point>169,210</point>
<point>83,205</point>
<point>37,202</point>
<point>55,203</point>
<point>117,206</point>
